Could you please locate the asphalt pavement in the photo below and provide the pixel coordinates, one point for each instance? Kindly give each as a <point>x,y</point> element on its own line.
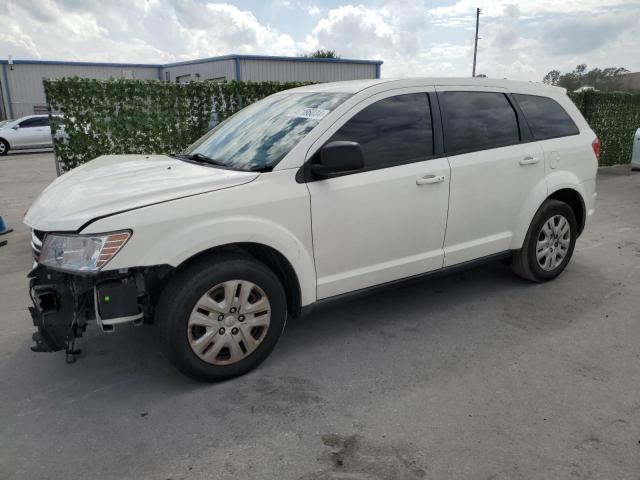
<point>479,375</point>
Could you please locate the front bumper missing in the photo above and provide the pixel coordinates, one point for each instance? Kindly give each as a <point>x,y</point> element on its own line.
<point>54,312</point>
<point>64,304</point>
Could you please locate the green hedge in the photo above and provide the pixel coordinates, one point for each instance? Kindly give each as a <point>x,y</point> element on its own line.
<point>614,117</point>
<point>131,116</point>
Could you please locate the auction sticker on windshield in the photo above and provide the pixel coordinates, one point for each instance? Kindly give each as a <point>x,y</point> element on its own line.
<point>312,113</point>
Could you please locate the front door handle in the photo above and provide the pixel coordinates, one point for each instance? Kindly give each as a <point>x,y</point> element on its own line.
<point>529,160</point>
<point>427,179</point>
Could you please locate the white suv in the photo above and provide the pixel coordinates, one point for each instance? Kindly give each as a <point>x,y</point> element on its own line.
<point>28,132</point>
<point>304,197</point>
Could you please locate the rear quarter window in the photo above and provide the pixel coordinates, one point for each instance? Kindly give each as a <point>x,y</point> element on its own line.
<point>545,116</point>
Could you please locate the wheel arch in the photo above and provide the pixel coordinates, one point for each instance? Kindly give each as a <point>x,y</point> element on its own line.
<point>575,200</point>
<point>266,254</point>
<point>561,188</point>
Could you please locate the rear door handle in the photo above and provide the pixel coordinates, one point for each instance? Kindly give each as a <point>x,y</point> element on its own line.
<point>529,160</point>
<point>427,179</point>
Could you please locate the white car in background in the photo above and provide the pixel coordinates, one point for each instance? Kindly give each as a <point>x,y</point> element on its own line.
<point>32,131</point>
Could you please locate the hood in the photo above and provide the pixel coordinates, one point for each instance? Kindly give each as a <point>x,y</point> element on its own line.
<point>115,183</point>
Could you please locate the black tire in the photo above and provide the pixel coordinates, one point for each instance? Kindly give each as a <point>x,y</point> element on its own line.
<point>188,286</point>
<point>4,147</point>
<point>525,264</point>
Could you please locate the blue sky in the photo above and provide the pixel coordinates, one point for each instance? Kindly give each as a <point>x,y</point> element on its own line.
<point>519,40</point>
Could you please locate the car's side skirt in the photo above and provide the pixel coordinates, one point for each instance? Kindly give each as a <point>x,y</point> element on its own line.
<point>431,274</point>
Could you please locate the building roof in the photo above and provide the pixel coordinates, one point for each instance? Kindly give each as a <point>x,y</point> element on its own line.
<point>79,64</point>
<point>196,61</point>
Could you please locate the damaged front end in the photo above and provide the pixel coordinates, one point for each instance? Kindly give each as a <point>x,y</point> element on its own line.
<point>63,304</point>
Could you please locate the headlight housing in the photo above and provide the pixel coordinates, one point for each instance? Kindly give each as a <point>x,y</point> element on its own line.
<point>81,253</point>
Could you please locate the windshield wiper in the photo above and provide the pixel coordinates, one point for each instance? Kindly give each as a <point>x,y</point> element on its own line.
<point>261,169</point>
<point>198,157</point>
<point>201,158</point>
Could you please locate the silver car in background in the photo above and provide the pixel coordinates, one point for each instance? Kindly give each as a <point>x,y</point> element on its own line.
<point>32,131</point>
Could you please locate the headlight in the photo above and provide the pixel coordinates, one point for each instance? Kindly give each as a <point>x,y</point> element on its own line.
<point>81,253</point>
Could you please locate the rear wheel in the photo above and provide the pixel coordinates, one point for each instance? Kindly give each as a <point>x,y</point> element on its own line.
<point>222,317</point>
<point>4,147</point>
<point>549,244</point>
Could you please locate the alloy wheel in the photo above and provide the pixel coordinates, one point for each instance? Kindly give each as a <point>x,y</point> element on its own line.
<point>553,242</point>
<point>229,322</point>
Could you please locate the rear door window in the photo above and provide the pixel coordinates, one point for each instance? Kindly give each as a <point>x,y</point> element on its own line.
<point>545,116</point>
<point>478,121</point>
<point>391,131</point>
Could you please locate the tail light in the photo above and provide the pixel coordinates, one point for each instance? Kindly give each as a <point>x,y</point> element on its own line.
<point>596,148</point>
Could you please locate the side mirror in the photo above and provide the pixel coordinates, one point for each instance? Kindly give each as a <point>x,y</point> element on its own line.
<point>337,158</point>
<point>15,127</point>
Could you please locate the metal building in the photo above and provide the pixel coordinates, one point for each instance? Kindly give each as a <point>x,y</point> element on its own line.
<point>22,93</point>
<point>631,81</point>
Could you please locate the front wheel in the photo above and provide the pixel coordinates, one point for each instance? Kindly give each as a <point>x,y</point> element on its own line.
<point>221,317</point>
<point>549,244</point>
<point>4,147</point>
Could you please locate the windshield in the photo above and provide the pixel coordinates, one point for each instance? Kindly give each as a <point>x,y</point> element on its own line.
<point>260,135</point>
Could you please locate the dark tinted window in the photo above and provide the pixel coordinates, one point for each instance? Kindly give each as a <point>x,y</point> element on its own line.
<point>478,120</point>
<point>392,131</point>
<point>545,116</point>
<point>35,122</point>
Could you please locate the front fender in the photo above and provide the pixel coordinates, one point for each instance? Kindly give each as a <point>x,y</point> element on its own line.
<point>173,232</point>
<point>177,246</point>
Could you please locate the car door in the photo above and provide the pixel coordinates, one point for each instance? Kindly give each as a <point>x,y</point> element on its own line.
<point>28,134</point>
<point>495,168</point>
<point>387,221</point>
<point>43,127</point>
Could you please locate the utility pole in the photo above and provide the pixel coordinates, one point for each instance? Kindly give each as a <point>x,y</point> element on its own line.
<point>475,47</point>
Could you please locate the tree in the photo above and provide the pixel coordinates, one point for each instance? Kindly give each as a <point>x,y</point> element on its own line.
<point>552,78</point>
<point>607,79</point>
<point>320,53</point>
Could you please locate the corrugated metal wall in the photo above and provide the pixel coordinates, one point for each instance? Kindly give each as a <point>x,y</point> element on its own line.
<point>631,81</point>
<point>25,80</point>
<point>214,70</point>
<point>297,71</point>
<point>26,91</point>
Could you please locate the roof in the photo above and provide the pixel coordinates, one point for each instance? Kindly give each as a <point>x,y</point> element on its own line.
<point>274,59</point>
<point>79,64</point>
<point>191,62</point>
<point>354,86</point>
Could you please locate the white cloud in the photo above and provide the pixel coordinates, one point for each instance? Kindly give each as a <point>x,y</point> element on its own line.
<point>495,8</point>
<point>137,31</point>
<point>520,40</point>
<point>391,32</point>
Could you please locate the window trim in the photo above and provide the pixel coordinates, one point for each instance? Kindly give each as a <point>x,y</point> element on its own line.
<point>524,133</point>
<point>557,103</point>
<point>304,174</point>
<point>32,119</point>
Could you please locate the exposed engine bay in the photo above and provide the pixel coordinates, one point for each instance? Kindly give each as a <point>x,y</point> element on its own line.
<point>64,304</point>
